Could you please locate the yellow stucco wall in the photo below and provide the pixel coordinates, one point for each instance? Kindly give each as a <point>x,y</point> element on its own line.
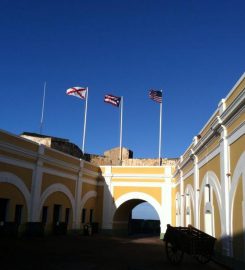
<point>15,196</point>
<point>24,174</point>
<point>18,141</point>
<point>49,179</point>
<point>91,167</point>
<point>238,233</point>
<point>137,170</point>
<point>155,192</point>
<point>62,156</point>
<point>188,167</point>
<point>213,165</point>
<point>236,150</point>
<point>61,199</point>
<point>88,187</point>
<point>236,123</point>
<point>173,206</point>
<point>18,155</point>
<point>235,93</point>
<point>189,181</point>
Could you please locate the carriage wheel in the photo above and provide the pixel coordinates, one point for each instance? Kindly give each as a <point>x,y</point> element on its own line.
<point>203,258</point>
<point>174,254</point>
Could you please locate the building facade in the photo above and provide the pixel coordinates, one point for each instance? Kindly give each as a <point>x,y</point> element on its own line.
<point>205,187</point>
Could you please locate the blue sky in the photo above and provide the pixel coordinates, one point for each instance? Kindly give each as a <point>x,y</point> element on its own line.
<point>193,50</point>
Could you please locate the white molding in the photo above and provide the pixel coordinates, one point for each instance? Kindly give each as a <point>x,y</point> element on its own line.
<point>139,196</point>
<point>17,162</point>
<point>211,178</point>
<point>188,174</point>
<point>138,176</point>
<point>10,178</point>
<point>51,171</point>
<point>238,172</point>
<point>86,197</point>
<point>57,188</point>
<point>209,157</point>
<point>237,133</point>
<point>235,86</point>
<point>137,184</point>
<point>189,190</point>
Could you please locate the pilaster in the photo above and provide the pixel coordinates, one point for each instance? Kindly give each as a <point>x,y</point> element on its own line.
<point>107,200</point>
<point>225,188</point>
<point>78,197</point>
<point>34,215</point>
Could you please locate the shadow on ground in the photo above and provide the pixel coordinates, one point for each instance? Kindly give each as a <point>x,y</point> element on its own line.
<point>77,252</point>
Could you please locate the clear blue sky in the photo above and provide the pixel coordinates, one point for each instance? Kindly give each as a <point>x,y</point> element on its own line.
<point>193,50</point>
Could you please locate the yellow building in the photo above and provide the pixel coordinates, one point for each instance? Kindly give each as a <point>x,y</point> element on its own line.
<point>205,187</point>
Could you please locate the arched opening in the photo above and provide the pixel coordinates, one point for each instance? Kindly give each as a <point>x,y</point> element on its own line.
<point>136,216</point>
<point>145,220</point>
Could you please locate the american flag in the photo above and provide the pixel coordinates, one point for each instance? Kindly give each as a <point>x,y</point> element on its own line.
<point>77,91</point>
<point>156,95</point>
<point>113,100</point>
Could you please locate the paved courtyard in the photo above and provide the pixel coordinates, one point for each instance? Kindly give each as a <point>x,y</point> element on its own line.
<point>76,252</point>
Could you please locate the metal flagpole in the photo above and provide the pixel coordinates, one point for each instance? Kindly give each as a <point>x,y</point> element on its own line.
<point>160,134</point>
<point>121,120</point>
<point>44,93</point>
<point>85,120</point>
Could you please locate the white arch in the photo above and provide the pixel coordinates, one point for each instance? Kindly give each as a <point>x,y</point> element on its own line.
<point>10,178</point>
<point>140,196</point>
<point>57,188</point>
<point>189,190</point>
<point>211,178</point>
<point>86,197</point>
<point>239,171</point>
<point>177,201</point>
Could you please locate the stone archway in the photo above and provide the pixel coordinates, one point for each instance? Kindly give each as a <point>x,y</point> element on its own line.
<point>123,209</point>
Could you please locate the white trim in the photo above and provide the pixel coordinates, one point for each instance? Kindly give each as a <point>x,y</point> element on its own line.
<point>50,171</point>
<point>10,178</point>
<point>189,190</point>
<point>86,197</point>
<point>137,184</point>
<point>16,162</point>
<point>188,174</point>
<point>57,188</point>
<point>209,157</point>
<point>211,179</point>
<point>139,196</point>
<point>139,176</point>
<point>236,134</point>
<point>235,86</point>
<point>238,172</point>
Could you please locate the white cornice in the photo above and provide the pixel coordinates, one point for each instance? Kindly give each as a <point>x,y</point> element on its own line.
<point>137,184</point>
<point>138,176</point>
<point>235,86</point>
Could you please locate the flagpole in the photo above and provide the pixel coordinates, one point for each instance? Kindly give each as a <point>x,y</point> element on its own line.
<point>85,120</point>
<point>121,121</point>
<point>160,134</point>
<point>43,103</point>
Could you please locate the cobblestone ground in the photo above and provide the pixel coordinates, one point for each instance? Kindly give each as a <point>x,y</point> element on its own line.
<point>97,252</point>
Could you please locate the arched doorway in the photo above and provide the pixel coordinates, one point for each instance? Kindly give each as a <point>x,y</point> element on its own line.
<point>122,216</point>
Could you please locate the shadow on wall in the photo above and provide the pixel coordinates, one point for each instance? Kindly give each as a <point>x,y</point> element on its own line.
<point>235,247</point>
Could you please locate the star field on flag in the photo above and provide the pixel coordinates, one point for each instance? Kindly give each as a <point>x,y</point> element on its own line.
<point>155,95</point>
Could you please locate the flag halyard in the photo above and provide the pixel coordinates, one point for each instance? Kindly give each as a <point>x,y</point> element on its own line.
<point>156,95</point>
<point>113,100</point>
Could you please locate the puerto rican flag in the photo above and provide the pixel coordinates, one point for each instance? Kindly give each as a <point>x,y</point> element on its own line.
<point>113,100</point>
<point>77,91</point>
